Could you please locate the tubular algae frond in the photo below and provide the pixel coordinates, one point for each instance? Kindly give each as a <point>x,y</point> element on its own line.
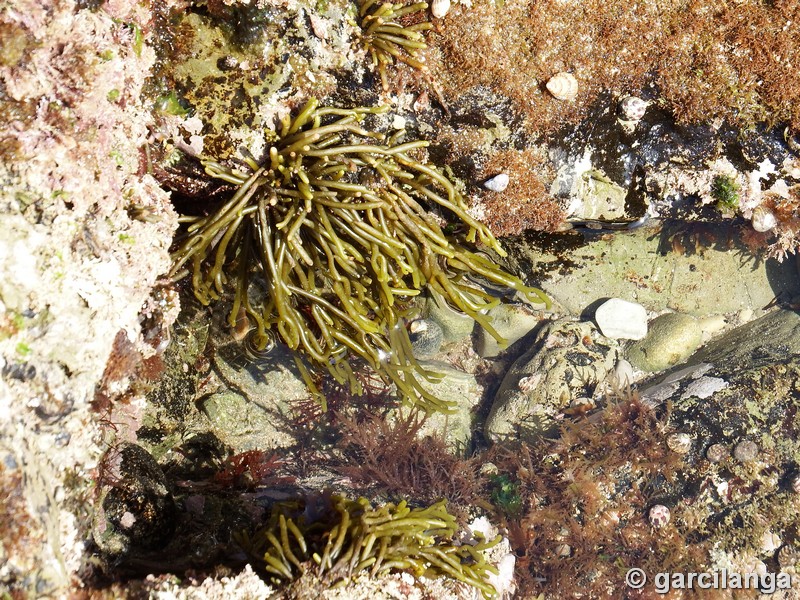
<point>351,536</point>
<point>387,40</point>
<point>338,260</point>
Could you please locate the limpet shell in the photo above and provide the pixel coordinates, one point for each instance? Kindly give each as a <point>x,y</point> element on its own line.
<point>633,108</point>
<point>440,8</point>
<point>563,86</point>
<point>763,219</point>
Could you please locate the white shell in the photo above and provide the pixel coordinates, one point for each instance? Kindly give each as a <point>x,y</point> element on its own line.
<point>563,86</point>
<point>659,516</point>
<point>763,219</point>
<point>498,183</point>
<point>632,108</point>
<point>440,8</point>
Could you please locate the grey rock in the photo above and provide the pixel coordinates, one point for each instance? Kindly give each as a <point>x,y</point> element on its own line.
<point>512,321</point>
<point>633,265</point>
<point>245,425</point>
<point>620,319</point>
<point>671,340</point>
<point>455,325</point>
<point>565,359</point>
<point>771,338</point>
<point>462,390</point>
<point>135,510</point>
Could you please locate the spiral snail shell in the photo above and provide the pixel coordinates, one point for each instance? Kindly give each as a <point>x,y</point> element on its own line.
<point>563,86</point>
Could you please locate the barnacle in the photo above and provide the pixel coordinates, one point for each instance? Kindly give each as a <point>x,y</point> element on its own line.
<point>350,536</point>
<point>387,40</point>
<point>326,241</point>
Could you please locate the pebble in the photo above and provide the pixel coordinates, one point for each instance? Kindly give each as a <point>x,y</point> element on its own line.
<point>672,338</point>
<point>620,319</point>
<point>622,376</point>
<point>498,183</point>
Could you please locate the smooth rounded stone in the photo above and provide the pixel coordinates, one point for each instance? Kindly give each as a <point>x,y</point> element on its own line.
<point>243,424</point>
<point>671,340</point>
<point>463,391</point>
<point>622,376</point>
<point>619,319</point>
<point>456,325</point>
<point>426,338</point>
<point>566,357</point>
<point>512,321</point>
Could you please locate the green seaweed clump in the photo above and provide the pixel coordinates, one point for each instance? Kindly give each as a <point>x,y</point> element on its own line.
<point>350,536</point>
<point>387,40</point>
<point>505,494</point>
<point>327,240</point>
<point>725,191</point>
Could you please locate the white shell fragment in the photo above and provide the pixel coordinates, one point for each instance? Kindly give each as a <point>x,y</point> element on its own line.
<point>440,8</point>
<point>632,108</point>
<point>763,219</point>
<point>498,183</point>
<point>620,319</point>
<point>563,86</point>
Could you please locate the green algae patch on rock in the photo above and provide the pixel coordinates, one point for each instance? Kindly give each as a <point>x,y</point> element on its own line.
<point>671,340</point>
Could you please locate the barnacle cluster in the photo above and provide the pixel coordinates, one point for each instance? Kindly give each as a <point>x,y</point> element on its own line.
<point>328,239</point>
<point>387,40</point>
<point>350,536</point>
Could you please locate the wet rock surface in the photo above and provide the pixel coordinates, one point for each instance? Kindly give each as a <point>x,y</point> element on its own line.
<point>136,511</point>
<point>567,360</point>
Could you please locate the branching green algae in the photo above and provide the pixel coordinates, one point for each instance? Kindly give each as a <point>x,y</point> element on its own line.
<point>387,40</point>
<point>334,224</point>
<point>351,536</point>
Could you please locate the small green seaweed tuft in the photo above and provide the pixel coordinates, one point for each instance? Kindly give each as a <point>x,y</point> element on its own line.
<point>327,240</point>
<point>350,536</point>
<point>505,494</point>
<point>387,40</point>
<point>725,191</point>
